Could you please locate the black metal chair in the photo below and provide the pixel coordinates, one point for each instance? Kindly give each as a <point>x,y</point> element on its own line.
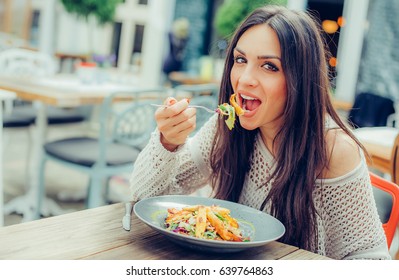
<point>55,115</point>
<point>370,110</point>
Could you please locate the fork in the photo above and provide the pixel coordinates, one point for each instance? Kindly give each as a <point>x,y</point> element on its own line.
<point>126,217</point>
<point>190,106</point>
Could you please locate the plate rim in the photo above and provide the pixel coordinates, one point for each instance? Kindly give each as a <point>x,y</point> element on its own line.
<point>206,242</point>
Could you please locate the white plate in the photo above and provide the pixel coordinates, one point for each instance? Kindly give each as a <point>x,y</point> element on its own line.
<point>259,226</point>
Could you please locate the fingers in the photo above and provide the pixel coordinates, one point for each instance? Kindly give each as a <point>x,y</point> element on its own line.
<point>173,108</point>
<point>170,101</point>
<point>170,130</point>
<point>173,139</point>
<point>176,121</point>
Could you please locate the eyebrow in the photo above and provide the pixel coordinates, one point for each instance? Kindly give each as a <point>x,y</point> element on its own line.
<point>260,56</point>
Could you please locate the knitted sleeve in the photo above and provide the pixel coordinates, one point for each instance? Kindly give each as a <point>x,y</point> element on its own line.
<point>159,172</point>
<point>348,224</point>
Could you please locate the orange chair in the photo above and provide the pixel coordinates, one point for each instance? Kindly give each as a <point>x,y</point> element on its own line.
<point>387,199</point>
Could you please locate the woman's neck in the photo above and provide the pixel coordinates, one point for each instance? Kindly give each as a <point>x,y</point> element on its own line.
<point>268,134</point>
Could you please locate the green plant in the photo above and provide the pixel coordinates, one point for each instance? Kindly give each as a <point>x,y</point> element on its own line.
<point>102,10</point>
<point>232,12</point>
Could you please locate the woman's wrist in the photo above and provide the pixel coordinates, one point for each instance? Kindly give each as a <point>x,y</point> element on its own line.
<point>168,146</point>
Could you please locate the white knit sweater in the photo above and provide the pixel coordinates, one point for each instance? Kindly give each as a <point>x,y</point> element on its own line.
<point>348,223</point>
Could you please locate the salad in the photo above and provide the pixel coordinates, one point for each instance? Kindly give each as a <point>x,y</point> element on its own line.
<point>208,222</point>
<point>230,110</point>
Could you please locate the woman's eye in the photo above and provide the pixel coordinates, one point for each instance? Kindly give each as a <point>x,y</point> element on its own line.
<point>239,59</point>
<point>270,66</point>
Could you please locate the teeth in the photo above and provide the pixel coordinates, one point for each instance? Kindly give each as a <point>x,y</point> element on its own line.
<point>247,97</point>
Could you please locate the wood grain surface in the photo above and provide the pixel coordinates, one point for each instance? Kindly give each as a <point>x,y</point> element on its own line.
<point>97,234</point>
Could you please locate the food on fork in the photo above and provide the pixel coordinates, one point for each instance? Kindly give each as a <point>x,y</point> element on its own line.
<point>207,222</point>
<point>239,111</point>
<point>226,109</point>
<point>230,110</point>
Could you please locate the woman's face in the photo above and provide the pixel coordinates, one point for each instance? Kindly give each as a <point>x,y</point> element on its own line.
<point>258,78</point>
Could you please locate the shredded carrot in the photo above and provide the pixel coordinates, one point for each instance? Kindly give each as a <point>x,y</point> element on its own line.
<point>239,111</point>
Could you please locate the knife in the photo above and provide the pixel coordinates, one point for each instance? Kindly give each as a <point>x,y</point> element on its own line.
<point>126,218</point>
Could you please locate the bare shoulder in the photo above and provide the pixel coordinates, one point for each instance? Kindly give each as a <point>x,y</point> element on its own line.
<point>343,154</point>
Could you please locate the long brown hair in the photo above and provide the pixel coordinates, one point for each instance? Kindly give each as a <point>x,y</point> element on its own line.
<point>301,152</point>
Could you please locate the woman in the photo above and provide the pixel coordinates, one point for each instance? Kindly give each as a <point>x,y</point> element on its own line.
<point>178,39</point>
<point>289,154</point>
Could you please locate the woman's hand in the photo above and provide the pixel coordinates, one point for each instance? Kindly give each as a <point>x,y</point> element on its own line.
<point>175,122</point>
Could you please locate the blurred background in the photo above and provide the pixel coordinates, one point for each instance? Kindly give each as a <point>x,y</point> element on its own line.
<point>134,36</point>
<point>181,42</point>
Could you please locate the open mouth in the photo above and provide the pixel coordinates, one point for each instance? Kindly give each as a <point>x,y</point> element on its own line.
<point>249,103</point>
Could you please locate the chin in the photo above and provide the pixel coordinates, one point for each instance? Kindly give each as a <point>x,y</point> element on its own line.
<point>248,125</point>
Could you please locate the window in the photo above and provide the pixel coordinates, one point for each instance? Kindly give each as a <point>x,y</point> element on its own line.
<point>16,16</point>
<point>143,2</point>
<point>116,37</point>
<point>138,38</point>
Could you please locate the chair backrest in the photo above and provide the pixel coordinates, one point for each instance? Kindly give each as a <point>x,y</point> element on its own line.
<point>395,161</point>
<point>6,97</point>
<point>393,119</point>
<point>386,194</point>
<point>370,110</point>
<point>202,94</point>
<point>128,118</point>
<point>27,63</point>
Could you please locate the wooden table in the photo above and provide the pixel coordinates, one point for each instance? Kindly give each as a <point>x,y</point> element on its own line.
<point>380,156</point>
<point>97,233</point>
<point>378,142</point>
<point>341,105</point>
<point>60,90</point>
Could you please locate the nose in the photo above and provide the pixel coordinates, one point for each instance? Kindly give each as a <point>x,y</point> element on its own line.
<point>248,77</point>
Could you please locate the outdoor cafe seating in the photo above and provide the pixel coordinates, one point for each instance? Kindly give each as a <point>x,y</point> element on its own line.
<point>125,128</point>
<point>124,131</point>
<point>29,64</point>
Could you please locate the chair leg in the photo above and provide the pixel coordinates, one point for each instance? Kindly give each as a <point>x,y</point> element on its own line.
<point>31,203</point>
<point>41,189</point>
<point>29,157</point>
<point>95,192</point>
<point>107,185</point>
